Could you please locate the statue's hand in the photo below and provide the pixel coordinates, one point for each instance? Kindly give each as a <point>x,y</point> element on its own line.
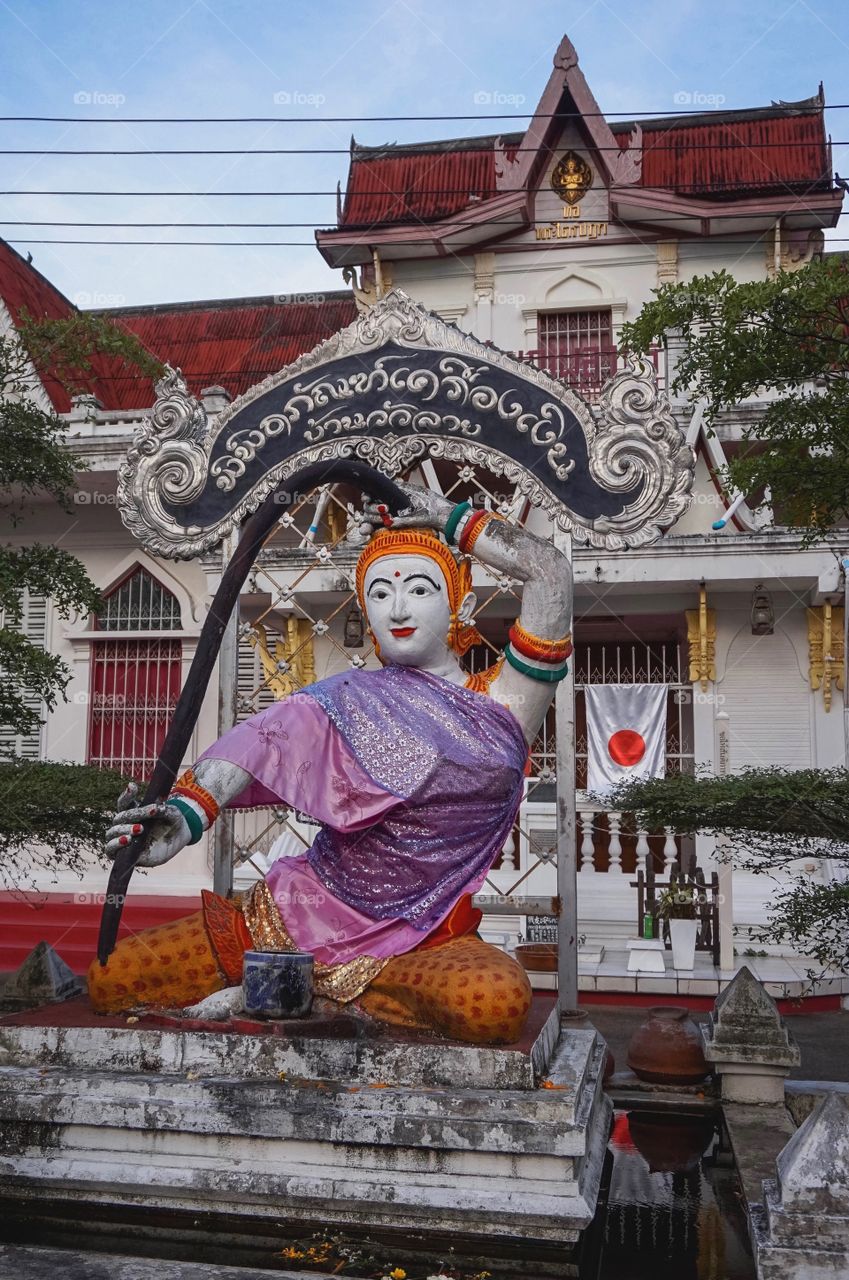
<point>426,509</point>
<point>165,829</point>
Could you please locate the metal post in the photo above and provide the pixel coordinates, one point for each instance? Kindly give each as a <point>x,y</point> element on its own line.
<point>725,869</point>
<point>228,665</point>
<point>844,568</point>
<point>567,859</point>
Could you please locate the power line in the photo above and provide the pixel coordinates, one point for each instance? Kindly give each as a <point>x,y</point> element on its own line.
<point>637,116</point>
<point>663,220</point>
<point>390,193</point>
<point>293,244</point>
<point>403,149</point>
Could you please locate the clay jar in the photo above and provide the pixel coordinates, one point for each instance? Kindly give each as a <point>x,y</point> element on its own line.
<point>667,1048</point>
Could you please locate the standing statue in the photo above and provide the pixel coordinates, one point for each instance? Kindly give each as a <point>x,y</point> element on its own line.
<point>415,774</point>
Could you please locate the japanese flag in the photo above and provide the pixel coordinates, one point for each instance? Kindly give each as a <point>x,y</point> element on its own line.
<point>626,734</point>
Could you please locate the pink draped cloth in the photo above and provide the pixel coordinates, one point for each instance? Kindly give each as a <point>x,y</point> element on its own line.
<point>415,782</point>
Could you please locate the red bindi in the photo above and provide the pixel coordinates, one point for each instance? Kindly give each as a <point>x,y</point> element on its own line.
<point>397,573</point>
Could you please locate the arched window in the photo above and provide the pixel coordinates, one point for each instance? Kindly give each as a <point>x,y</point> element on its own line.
<point>135,680</point>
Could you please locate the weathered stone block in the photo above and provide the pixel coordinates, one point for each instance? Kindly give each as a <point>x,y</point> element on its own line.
<point>43,978</point>
<point>476,1158</point>
<point>803,1231</point>
<point>747,1043</point>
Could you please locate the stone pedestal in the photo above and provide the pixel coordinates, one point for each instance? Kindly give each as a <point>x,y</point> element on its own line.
<point>802,1230</point>
<point>427,1137</point>
<point>747,1043</point>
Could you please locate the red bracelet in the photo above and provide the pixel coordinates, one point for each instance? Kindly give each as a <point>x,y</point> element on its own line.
<point>188,786</point>
<point>530,646</point>
<point>474,528</point>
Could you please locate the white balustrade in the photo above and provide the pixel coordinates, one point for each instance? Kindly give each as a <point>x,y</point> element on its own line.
<point>587,820</point>
<point>614,821</point>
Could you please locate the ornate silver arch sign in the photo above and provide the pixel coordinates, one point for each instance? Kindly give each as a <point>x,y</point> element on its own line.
<point>396,386</point>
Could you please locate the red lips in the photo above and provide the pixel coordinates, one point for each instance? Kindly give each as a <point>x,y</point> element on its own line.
<point>400,632</point>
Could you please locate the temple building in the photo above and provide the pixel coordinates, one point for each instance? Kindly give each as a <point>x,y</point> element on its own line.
<point>544,243</point>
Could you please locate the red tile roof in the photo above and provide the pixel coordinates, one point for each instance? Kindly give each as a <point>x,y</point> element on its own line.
<point>737,153</point>
<point>24,289</point>
<point>232,343</point>
<point>430,181</point>
<point>719,155</point>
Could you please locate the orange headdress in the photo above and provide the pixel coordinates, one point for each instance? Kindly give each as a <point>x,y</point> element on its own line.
<point>424,542</point>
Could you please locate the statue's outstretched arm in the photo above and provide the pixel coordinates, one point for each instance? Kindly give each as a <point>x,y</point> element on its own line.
<point>165,827</point>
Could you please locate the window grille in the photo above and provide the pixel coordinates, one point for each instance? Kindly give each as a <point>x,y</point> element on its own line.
<point>139,603</point>
<point>134,689</point>
<point>577,347</point>
<point>135,683</point>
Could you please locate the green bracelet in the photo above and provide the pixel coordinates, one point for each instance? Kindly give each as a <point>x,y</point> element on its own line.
<point>193,821</point>
<point>536,673</point>
<point>454,519</point>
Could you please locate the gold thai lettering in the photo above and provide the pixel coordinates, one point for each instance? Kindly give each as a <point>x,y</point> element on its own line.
<point>572,231</point>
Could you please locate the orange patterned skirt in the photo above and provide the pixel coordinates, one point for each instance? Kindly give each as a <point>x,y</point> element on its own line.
<point>453,983</point>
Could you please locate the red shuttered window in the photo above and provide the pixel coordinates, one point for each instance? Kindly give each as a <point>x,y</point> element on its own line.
<point>577,347</point>
<point>135,679</point>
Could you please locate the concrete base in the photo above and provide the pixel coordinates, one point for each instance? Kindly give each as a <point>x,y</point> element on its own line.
<point>748,1082</point>
<point>800,1260</point>
<point>471,1142</point>
<point>32,1263</point>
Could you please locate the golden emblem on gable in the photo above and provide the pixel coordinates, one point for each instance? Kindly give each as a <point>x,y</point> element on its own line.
<point>572,178</point>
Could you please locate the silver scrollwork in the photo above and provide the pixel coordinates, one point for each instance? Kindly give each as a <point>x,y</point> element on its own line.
<point>631,436</point>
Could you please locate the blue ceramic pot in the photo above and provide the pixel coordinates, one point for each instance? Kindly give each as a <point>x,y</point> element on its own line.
<point>277,984</point>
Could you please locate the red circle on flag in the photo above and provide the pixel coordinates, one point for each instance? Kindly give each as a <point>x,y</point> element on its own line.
<point>626,747</point>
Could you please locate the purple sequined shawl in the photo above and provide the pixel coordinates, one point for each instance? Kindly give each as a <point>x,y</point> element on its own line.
<point>417,782</point>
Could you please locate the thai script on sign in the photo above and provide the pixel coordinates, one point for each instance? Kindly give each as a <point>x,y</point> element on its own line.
<point>572,231</point>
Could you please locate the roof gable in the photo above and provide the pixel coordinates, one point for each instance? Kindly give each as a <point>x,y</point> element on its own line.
<point>779,151</point>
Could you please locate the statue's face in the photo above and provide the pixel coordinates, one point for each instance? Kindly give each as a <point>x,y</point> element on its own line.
<point>406,598</point>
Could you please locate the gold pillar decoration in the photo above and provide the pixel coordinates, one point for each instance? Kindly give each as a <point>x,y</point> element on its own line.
<point>701,638</point>
<point>825,650</point>
<point>365,290</point>
<point>667,262</point>
<point>337,521</point>
<point>297,651</point>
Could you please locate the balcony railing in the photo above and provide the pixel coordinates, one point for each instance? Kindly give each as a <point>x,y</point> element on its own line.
<point>585,371</point>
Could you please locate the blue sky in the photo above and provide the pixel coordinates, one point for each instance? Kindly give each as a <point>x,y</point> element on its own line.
<point>364,57</point>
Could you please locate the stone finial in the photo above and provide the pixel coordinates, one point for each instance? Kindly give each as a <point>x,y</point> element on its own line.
<point>747,1042</point>
<point>565,57</point>
<point>812,1171</point>
<point>803,1228</point>
<point>84,407</point>
<point>43,978</point>
<point>214,399</point>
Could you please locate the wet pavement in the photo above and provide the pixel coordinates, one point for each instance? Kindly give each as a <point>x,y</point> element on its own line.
<point>823,1038</point>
